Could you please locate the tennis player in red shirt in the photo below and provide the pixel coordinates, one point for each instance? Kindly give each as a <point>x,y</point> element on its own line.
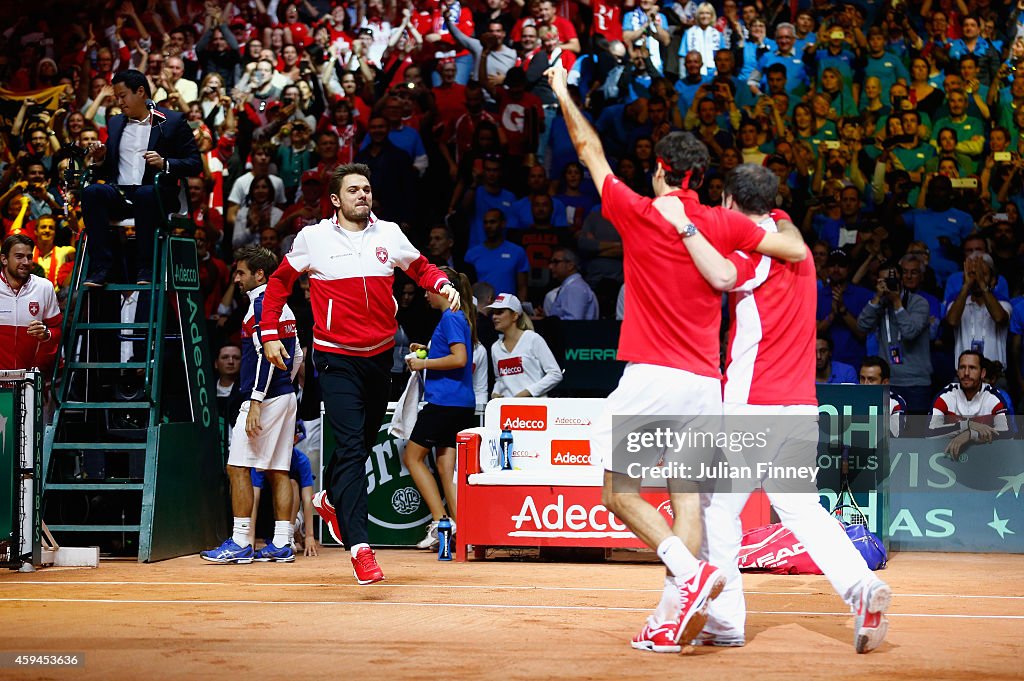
<point>672,350</point>
<point>770,385</point>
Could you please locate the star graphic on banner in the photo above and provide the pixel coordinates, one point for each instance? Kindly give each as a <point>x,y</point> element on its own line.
<point>1013,482</point>
<point>999,525</point>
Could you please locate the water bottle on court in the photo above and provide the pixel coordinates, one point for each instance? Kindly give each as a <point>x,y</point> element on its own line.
<point>444,538</point>
<point>506,450</point>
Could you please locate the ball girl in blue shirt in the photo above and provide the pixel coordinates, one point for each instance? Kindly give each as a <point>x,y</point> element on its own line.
<point>450,401</point>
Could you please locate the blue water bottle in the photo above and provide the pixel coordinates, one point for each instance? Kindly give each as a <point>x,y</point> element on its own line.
<point>505,445</point>
<point>444,538</point>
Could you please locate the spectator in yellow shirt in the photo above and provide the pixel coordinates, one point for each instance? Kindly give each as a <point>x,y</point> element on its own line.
<point>57,262</point>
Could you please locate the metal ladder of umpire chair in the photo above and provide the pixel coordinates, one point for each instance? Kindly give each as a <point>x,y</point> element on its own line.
<point>109,455</point>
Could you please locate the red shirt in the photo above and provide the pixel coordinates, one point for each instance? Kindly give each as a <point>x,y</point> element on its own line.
<point>518,118</point>
<point>607,19</point>
<point>672,314</point>
<point>213,281</point>
<point>772,334</point>
<point>433,21</point>
<point>566,31</point>
<point>300,33</point>
<point>451,102</point>
<point>461,132</point>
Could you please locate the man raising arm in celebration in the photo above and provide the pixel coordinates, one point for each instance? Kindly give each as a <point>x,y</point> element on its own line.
<point>351,260</point>
<point>769,381</point>
<point>673,357</point>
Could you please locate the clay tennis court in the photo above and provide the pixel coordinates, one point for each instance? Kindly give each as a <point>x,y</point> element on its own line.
<point>955,616</point>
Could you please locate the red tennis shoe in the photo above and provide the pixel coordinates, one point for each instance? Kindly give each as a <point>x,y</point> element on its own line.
<point>870,624</point>
<point>365,568</point>
<point>329,515</point>
<point>695,595</point>
<point>658,637</point>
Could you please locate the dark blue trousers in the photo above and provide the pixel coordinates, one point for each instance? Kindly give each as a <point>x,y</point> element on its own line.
<point>103,203</point>
<point>355,393</point>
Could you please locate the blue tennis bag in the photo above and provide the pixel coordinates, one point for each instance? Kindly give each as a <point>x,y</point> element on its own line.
<point>868,545</point>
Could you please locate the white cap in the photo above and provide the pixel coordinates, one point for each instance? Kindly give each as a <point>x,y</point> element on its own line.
<point>506,301</point>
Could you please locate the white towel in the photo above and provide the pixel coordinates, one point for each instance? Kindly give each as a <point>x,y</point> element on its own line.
<point>407,408</point>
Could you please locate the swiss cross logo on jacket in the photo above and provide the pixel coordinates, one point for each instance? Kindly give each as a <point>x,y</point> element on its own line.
<point>33,308</point>
<point>382,254</point>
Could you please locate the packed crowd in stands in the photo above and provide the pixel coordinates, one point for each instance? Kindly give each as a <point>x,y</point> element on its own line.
<point>894,127</point>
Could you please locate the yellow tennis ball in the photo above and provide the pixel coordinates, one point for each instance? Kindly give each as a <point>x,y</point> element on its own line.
<point>421,353</point>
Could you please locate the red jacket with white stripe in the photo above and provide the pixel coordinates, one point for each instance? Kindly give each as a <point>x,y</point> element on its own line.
<point>772,329</point>
<point>35,300</point>
<point>350,284</point>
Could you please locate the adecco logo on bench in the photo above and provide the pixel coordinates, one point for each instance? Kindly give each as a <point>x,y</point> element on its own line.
<point>570,452</point>
<point>555,520</point>
<point>523,417</point>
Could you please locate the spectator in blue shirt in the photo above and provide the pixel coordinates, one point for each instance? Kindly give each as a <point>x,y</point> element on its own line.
<point>839,305</point>
<point>450,401</point>
<point>975,243</point>
<point>796,73</point>
<point>487,195</point>
<point>1014,348</point>
<point>884,66</point>
<point>402,136</point>
<point>828,370</point>
<point>972,43</point>
<point>756,45</point>
<point>520,216</point>
<point>805,34</point>
<point>501,264</point>
<point>940,226</point>
<point>573,298</point>
<point>833,54</point>
<point>693,77</point>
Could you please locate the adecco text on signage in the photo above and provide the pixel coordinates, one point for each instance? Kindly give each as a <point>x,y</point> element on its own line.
<point>524,417</point>
<point>555,520</point>
<point>570,452</point>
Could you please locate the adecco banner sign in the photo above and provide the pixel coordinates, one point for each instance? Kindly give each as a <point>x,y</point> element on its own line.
<point>545,432</point>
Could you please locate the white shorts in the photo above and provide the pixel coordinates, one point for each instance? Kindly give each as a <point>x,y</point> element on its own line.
<point>742,409</point>
<point>272,449</point>
<point>652,390</point>
<point>787,436</point>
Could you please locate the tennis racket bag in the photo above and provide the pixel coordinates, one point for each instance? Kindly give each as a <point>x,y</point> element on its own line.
<point>775,549</point>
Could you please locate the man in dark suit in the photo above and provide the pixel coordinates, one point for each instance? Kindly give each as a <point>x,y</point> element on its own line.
<point>142,141</point>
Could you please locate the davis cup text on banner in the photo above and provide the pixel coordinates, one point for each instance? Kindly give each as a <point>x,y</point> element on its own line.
<point>555,520</point>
